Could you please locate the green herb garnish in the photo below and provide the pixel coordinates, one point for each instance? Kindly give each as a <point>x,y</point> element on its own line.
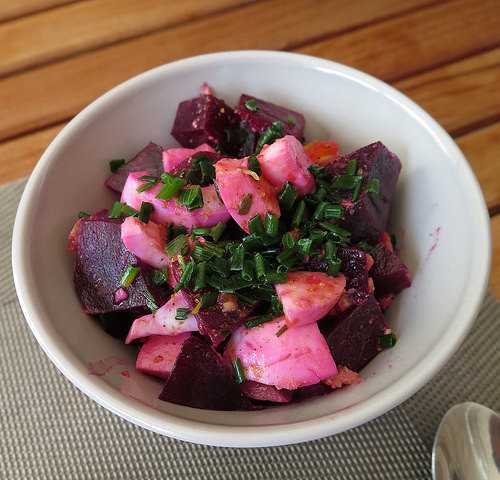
<point>291,120</point>
<point>387,341</point>
<point>239,373</point>
<point>149,182</point>
<point>201,170</point>
<point>251,104</point>
<point>191,198</point>
<point>200,276</point>
<point>182,313</point>
<point>270,134</point>
<point>114,165</point>
<point>287,196</point>
<point>217,230</point>
<point>373,186</point>
<point>129,276</point>
<point>245,204</point>
<point>298,215</point>
<point>159,277</point>
<point>271,225</point>
<point>237,258</point>
<point>177,246</point>
<point>352,166</point>
<point>187,274</point>
<point>256,321</point>
<point>254,165</point>
<point>172,185</point>
<point>82,214</point>
<point>119,210</point>
<point>255,225</point>
<point>145,211</point>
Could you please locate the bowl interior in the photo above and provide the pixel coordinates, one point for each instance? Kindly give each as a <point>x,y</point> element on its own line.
<point>437,217</point>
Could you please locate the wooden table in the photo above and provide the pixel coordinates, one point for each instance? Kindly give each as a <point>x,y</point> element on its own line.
<point>56,56</point>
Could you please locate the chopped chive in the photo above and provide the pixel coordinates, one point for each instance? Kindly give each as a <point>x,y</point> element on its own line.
<point>387,341</point>
<point>201,170</point>
<point>191,198</point>
<point>217,230</point>
<point>282,269</point>
<point>176,230</point>
<point>287,240</point>
<point>298,215</point>
<point>287,257</point>
<point>282,330</point>
<point>199,279</point>
<point>255,225</point>
<point>181,261</point>
<point>252,241</point>
<point>352,166</point>
<point>365,246</point>
<point>237,258</point>
<point>276,277</point>
<point>220,266</point>
<point>206,251</point>
<point>82,214</point>
<point>333,211</point>
<point>114,165</point>
<point>209,299</point>
<point>330,250</point>
<point>256,321</point>
<point>260,266</point>
<point>269,135</point>
<point>394,239</point>
<point>239,373</point>
<point>145,211</point>
<point>182,313</point>
<point>339,232</point>
<point>373,186</point>
<point>357,188</point>
<point>115,211</point>
<point>129,276</point>
<point>200,232</point>
<point>251,104</point>
<point>197,307</point>
<point>177,246</point>
<point>291,120</point>
<point>317,235</point>
<point>150,301</point>
<point>320,194</point>
<point>147,185</point>
<point>186,276</point>
<point>334,267</point>
<point>346,182</point>
<point>304,246</point>
<point>319,212</point>
<point>254,165</point>
<point>245,204</point>
<point>171,186</point>
<point>159,277</point>
<point>128,211</point>
<point>271,224</point>
<point>287,196</point>
<point>276,305</point>
<point>247,299</point>
<point>149,178</point>
<point>247,270</point>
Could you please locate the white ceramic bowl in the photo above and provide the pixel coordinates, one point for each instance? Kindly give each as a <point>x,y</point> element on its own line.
<point>439,214</point>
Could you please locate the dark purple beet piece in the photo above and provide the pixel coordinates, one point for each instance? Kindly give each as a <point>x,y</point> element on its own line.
<point>149,158</point>
<point>205,119</point>
<point>315,390</point>
<point>100,260</point>
<point>219,320</point>
<point>390,274</point>
<point>354,267</point>
<point>354,338</point>
<point>367,217</point>
<point>201,378</point>
<point>266,113</point>
<point>265,393</point>
<point>117,324</point>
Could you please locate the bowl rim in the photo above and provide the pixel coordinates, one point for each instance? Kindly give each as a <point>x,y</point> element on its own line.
<point>247,436</point>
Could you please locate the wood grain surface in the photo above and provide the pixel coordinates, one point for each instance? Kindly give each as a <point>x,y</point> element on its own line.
<point>56,56</point>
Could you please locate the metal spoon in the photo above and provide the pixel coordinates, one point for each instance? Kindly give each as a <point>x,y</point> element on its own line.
<point>467,444</point>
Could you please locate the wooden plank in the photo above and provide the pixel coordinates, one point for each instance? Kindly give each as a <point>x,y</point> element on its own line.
<point>481,148</point>
<point>495,263</point>
<point>51,35</point>
<point>55,92</point>
<point>10,9</point>
<point>416,41</point>
<point>462,95</point>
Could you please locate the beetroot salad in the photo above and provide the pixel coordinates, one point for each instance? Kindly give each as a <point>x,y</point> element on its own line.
<point>248,267</point>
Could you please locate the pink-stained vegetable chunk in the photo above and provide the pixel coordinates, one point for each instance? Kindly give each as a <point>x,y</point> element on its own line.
<point>158,354</point>
<point>146,241</point>
<point>243,195</point>
<point>169,211</point>
<point>163,321</point>
<point>309,296</point>
<point>297,357</point>
<point>286,161</point>
<point>177,159</point>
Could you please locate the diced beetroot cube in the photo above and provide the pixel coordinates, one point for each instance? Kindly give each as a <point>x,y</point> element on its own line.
<point>158,354</point>
<point>367,217</point>
<point>100,215</point>
<point>316,390</point>
<point>205,119</point>
<point>219,320</point>
<point>355,265</point>
<point>265,393</point>
<point>237,185</point>
<point>354,337</point>
<point>177,160</point>
<point>390,274</point>
<point>286,161</point>
<point>262,114</point>
<point>201,378</point>
<point>149,158</point>
<point>117,324</point>
<point>290,359</point>
<point>309,296</point>
<point>100,261</point>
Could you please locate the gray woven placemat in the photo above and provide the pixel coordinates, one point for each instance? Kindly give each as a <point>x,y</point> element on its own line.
<point>49,430</point>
